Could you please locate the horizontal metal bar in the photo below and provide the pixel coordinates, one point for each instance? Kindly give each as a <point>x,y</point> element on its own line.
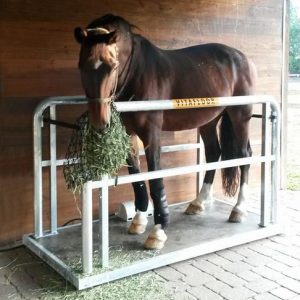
<point>257,116</point>
<point>148,105</point>
<point>182,170</point>
<point>59,162</point>
<point>164,149</point>
<point>74,126</point>
<point>63,100</point>
<point>61,123</point>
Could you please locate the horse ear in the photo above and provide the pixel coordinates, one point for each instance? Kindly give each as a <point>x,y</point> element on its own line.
<point>79,34</point>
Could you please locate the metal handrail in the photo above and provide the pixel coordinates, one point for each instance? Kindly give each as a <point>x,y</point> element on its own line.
<point>149,105</point>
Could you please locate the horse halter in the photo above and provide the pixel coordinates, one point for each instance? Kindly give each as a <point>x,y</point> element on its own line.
<point>112,97</point>
<point>99,30</point>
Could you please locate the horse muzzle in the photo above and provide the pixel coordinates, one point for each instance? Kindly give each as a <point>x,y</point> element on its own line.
<point>99,113</point>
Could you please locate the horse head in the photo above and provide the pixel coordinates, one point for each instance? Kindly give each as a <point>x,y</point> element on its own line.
<point>99,64</point>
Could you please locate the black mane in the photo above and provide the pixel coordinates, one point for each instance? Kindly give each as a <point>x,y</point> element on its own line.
<point>111,21</point>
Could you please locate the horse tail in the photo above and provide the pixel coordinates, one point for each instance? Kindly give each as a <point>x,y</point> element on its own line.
<point>230,150</point>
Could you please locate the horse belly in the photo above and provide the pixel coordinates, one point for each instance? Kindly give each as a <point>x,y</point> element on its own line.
<point>175,120</point>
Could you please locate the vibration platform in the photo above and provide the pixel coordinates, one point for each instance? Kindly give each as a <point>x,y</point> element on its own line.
<point>188,237</point>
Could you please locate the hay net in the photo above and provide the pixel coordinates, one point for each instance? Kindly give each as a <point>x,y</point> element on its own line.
<point>92,154</point>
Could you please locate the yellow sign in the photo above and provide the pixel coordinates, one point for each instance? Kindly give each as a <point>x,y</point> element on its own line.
<point>195,102</point>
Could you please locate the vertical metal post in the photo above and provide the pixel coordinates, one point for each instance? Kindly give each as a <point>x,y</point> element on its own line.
<point>53,182</point>
<point>275,172</point>
<point>265,168</point>
<point>38,180</point>
<point>200,159</point>
<point>104,224</point>
<point>284,91</point>
<point>87,228</point>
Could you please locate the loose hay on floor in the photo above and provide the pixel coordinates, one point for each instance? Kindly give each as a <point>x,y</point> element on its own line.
<point>118,257</point>
<point>147,286</point>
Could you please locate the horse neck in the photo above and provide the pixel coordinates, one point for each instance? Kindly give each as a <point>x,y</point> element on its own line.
<point>125,49</point>
<point>140,60</point>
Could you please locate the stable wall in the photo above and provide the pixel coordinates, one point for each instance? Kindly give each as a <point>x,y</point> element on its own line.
<point>38,58</point>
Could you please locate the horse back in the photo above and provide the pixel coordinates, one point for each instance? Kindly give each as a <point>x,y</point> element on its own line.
<point>210,70</point>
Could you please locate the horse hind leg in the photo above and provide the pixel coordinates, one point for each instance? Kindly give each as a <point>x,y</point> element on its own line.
<point>212,154</point>
<point>140,221</point>
<point>240,119</point>
<point>239,211</point>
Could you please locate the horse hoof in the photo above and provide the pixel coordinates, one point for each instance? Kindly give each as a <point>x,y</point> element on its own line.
<point>137,228</point>
<point>156,240</point>
<point>236,217</point>
<point>193,209</point>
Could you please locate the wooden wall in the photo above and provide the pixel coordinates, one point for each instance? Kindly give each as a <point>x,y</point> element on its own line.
<point>38,58</point>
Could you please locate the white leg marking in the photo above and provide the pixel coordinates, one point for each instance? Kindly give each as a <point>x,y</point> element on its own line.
<point>141,217</point>
<point>205,195</point>
<point>243,197</point>
<point>139,223</point>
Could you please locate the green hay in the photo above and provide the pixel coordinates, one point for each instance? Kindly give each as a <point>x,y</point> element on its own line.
<point>146,286</point>
<point>118,257</point>
<point>92,154</point>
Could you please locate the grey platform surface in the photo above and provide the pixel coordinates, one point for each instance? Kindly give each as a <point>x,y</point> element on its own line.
<point>184,231</point>
<point>188,237</point>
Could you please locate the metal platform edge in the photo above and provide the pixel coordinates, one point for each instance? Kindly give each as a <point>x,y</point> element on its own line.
<point>86,281</point>
<point>52,260</point>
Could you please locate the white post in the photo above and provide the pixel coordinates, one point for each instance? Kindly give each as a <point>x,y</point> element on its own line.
<point>38,175</point>
<point>200,160</point>
<point>104,224</point>
<point>87,228</point>
<point>275,166</point>
<point>265,167</point>
<point>53,179</point>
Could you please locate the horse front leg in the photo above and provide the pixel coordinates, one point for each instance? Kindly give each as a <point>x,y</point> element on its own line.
<point>212,154</point>
<point>157,237</point>
<point>139,222</point>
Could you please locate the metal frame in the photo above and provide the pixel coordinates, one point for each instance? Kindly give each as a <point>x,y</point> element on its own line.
<point>269,161</point>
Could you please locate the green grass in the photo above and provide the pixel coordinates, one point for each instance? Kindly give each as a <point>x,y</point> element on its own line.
<point>293,181</point>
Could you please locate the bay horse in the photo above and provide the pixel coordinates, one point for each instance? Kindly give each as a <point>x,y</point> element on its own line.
<point>117,64</point>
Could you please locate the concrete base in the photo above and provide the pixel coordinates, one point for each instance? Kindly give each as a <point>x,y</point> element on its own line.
<point>188,236</point>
